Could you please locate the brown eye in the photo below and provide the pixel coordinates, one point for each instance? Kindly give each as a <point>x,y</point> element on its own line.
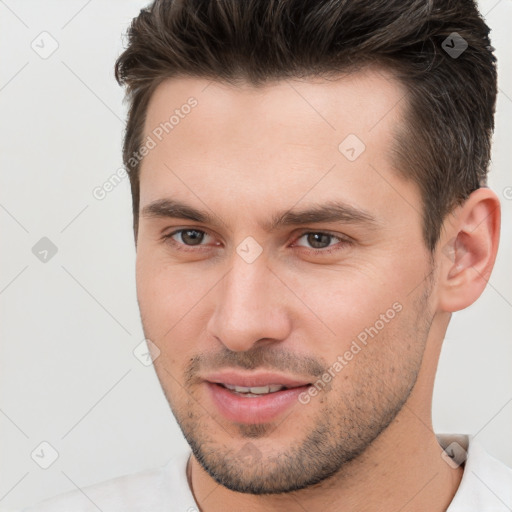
<point>186,238</point>
<point>191,236</point>
<point>319,240</point>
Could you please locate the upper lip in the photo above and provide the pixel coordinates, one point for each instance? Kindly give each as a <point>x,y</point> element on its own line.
<point>254,380</point>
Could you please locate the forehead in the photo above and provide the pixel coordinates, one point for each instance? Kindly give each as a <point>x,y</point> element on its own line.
<point>365,101</point>
<point>276,142</point>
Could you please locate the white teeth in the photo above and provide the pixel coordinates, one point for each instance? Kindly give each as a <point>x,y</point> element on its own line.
<point>259,390</point>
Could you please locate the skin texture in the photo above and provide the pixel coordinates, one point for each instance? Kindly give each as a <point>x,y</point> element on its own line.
<point>243,154</point>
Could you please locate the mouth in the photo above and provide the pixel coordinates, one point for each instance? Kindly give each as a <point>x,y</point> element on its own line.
<point>253,399</point>
<point>256,391</point>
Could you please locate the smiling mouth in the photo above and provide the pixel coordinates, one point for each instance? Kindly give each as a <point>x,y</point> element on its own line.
<point>257,402</point>
<point>255,391</point>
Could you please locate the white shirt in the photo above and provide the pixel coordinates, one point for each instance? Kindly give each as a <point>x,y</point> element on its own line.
<point>486,486</point>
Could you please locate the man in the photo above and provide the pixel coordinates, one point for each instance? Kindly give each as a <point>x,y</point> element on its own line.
<point>310,207</point>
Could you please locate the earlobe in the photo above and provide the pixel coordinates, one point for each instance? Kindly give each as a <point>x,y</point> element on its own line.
<point>468,252</point>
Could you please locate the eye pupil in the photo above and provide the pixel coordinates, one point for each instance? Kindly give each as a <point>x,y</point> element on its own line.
<point>196,238</point>
<point>313,239</point>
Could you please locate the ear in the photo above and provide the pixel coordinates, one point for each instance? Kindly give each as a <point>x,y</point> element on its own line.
<point>468,249</point>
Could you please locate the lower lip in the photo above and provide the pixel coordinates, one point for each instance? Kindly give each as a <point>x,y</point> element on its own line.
<point>253,409</point>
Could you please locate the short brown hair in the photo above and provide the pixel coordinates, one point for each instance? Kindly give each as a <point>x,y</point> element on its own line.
<point>444,144</point>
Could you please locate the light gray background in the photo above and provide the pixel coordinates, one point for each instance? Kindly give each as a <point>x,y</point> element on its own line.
<point>69,326</point>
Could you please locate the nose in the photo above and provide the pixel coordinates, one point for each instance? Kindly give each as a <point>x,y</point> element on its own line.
<point>251,306</point>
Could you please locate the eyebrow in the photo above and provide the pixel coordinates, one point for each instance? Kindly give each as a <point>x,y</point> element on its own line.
<point>330,211</point>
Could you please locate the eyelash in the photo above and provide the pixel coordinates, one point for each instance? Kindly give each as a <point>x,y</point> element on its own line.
<point>328,250</point>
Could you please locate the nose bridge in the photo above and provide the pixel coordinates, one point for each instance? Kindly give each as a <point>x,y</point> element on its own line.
<point>245,288</point>
<point>247,307</point>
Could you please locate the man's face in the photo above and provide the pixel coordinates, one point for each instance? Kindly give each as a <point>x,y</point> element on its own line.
<point>229,298</point>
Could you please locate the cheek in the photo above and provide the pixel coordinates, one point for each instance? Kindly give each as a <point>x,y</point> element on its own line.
<point>376,366</point>
<point>171,297</point>
<point>367,316</point>
<point>166,298</point>
<point>349,299</point>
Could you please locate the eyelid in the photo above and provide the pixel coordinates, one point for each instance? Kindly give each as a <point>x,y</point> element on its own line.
<point>341,237</point>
